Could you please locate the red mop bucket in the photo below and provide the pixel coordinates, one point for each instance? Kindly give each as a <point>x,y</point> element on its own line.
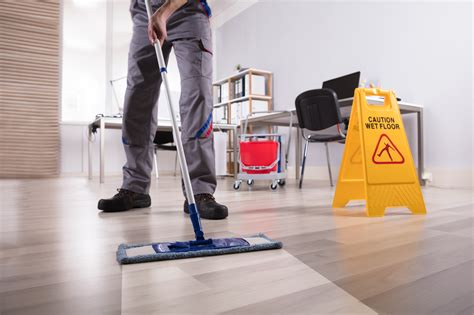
<point>259,157</point>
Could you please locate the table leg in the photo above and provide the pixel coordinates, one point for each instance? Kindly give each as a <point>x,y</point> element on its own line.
<point>89,152</point>
<point>236,152</point>
<point>297,153</point>
<point>102,152</point>
<point>421,148</point>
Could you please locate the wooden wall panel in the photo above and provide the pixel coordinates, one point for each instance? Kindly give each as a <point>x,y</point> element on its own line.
<point>30,59</point>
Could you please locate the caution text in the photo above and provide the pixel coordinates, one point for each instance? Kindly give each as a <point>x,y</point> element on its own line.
<point>383,123</point>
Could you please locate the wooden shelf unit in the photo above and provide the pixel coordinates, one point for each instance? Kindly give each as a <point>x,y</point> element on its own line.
<point>250,96</point>
<point>229,84</point>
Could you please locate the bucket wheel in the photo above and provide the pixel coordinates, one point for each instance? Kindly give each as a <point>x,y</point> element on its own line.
<point>237,184</point>
<point>274,185</point>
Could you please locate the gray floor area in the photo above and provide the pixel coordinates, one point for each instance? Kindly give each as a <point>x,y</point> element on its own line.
<point>57,253</point>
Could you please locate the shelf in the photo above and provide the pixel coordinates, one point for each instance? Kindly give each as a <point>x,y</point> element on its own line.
<point>245,98</point>
<point>238,75</point>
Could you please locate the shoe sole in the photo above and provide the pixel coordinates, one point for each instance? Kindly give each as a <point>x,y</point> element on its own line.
<point>137,205</point>
<point>142,204</point>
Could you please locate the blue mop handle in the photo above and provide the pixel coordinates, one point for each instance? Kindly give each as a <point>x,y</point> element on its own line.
<point>193,211</point>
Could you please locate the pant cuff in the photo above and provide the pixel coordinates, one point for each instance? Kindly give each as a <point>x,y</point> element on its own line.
<point>136,189</point>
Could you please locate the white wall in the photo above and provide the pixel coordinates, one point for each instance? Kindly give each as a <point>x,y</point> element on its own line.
<point>472,90</point>
<point>83,59</point>
<point>422,50</point>
<point>95,52</point>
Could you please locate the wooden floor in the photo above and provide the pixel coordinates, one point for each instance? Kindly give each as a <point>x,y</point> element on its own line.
<point>57,253</point>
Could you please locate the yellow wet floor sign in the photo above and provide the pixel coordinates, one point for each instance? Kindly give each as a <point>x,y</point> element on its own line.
<point>377,165</point>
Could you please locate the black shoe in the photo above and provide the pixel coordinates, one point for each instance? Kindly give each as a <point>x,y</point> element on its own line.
<point>208,208</point>
<point>124,200</point>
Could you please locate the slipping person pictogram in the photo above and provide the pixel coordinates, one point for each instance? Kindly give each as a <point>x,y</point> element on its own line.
<point>387,149</point>
<point>388,153</point>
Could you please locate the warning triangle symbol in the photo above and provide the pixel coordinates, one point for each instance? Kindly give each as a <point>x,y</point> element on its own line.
<point>386,152</point>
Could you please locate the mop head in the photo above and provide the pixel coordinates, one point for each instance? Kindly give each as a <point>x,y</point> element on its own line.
<point>139,253</point>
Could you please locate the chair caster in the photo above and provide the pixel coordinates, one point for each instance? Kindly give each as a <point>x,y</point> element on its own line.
<point>250,182</point>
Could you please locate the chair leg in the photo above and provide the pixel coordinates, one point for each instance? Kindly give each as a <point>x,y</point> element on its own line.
<point>303,164</point>
<point>175,162</point>
<point>329,164</point>
<point>155,160</point>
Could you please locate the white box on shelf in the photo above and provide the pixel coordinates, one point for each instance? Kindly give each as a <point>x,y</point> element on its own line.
<point>258,85</point>
<point>225,92</point>
<point>220,114</point>
<point>259,106</point>
<point>235,113</point>
<point>244,110</point>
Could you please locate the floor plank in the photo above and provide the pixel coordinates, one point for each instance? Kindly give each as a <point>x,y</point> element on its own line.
<point>446,292</point>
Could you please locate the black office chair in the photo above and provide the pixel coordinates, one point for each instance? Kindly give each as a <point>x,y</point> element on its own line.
<point>317,110</point>
<point>164,141</point>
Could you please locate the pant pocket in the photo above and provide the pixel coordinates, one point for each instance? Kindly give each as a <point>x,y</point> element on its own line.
<point>194,56</point>
<point>206,62</point>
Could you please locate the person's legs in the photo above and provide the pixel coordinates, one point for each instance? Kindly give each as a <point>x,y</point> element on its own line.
<point>189,32</point>
<point>140,116</point>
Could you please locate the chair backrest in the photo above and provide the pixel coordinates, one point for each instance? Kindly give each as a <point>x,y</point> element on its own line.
<point>318,109</point>
<point>163,137</point>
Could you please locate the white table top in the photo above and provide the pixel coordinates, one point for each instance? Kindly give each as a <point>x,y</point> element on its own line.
<point>279,118</point>
<point>116,123</point>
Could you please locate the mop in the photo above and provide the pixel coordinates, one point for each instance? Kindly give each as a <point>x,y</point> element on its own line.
<point>147,252</point>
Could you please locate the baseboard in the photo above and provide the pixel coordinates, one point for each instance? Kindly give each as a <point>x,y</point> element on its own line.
<point>451,178</point>
<point>315,172</point>
<point>442,178</point>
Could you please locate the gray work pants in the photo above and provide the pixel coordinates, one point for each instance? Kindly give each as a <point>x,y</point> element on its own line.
<point>190,35</point>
